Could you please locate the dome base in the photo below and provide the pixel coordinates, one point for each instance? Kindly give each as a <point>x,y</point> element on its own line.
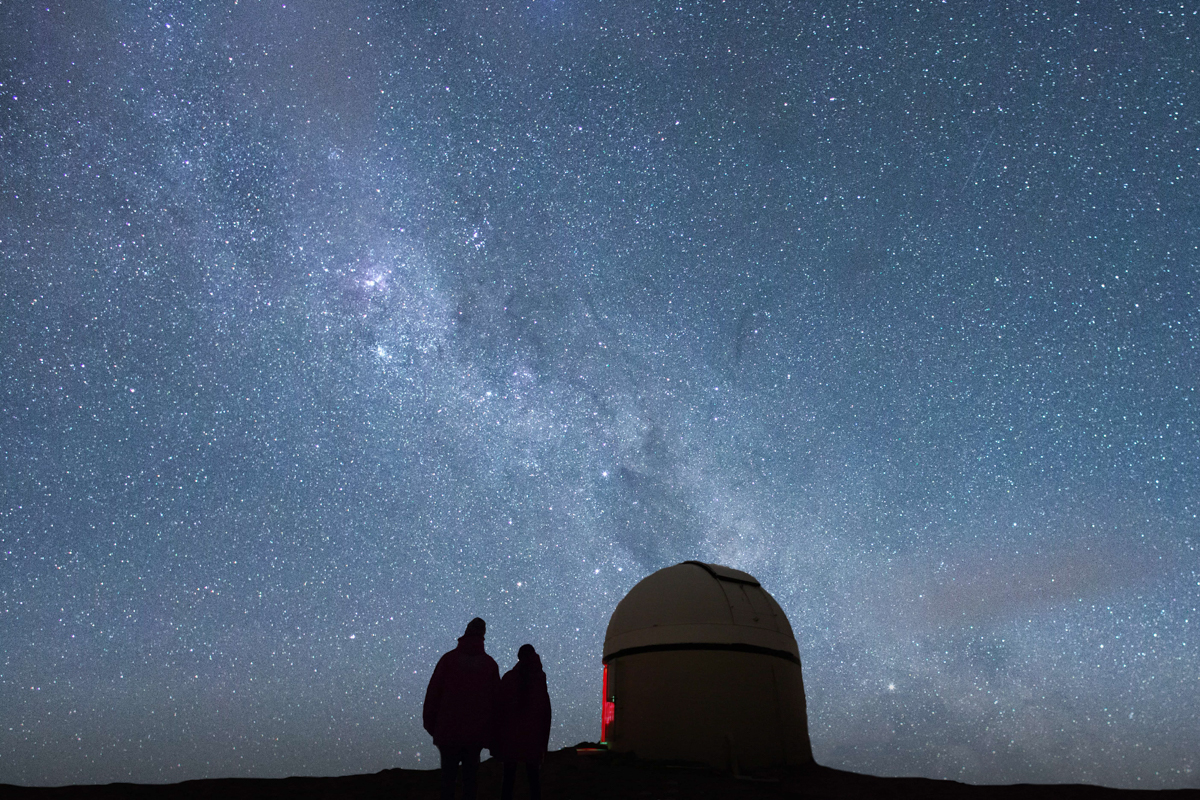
<point>734,710</point>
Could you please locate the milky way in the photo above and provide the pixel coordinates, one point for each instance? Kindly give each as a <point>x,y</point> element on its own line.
<point>329,326</point>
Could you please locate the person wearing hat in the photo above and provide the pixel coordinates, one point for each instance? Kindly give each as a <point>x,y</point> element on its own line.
<point>524,721</point>
<point>460,708</point>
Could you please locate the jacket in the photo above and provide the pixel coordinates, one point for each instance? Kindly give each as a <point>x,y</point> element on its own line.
<point>461,699</point>
<point>524,713</point>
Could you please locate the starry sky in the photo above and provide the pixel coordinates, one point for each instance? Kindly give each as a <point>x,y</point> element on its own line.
<point>325,327</point>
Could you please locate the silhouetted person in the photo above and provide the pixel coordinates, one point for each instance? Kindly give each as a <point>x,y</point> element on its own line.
<point>460,708</point>
<point>524,721</point>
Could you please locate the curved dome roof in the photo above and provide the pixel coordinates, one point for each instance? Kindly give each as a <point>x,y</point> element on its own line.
<point>697,603</point>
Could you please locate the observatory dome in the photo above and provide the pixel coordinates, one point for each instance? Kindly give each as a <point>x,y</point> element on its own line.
<point>700,665</point>
<point>695,603</point>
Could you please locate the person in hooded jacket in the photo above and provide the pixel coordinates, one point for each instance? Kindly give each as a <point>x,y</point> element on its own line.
<point>460,708</point>
<point>524,723</point>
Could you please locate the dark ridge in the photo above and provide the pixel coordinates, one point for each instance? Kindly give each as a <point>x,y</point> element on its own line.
<point>591,773</point>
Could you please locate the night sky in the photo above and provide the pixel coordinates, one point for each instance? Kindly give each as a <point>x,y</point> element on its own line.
<point>325,327</point>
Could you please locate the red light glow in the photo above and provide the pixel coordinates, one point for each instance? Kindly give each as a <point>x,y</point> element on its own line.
<point>608,709</point>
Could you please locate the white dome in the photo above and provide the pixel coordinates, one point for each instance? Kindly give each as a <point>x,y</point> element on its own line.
<point>699,604</point>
